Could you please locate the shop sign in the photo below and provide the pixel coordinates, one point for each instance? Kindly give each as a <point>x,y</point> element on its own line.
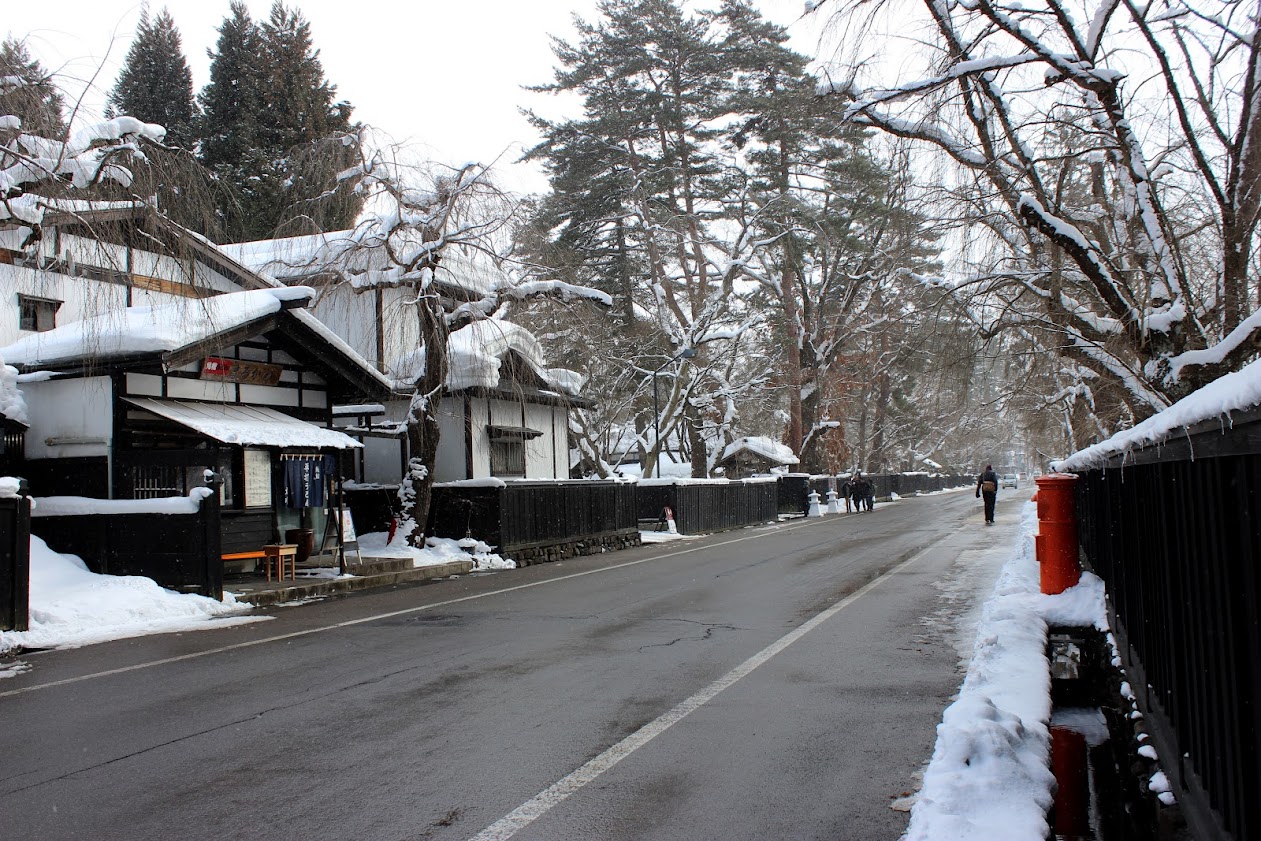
<point>240,371</point>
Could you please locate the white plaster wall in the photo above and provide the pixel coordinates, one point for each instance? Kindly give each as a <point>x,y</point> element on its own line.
<point>81,298</point>
<point>449,464</point>
<point>382,461</point>
<point>401,330</point>
<point>212,390</point>
<point>79,409</point>
<point>351,316</point>
<point>540,453</point>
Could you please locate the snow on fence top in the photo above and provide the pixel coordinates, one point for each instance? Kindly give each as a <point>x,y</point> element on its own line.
<point>1232,393</point>
<point>150,329</point>
<point>12,406</point>
<point>78,506</point>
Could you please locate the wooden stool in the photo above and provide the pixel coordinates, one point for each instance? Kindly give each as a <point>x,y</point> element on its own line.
<point>279,553</point>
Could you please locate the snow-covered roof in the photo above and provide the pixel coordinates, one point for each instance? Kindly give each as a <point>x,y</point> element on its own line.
<point>157,329</point>
<point>254,426</point>
<point>761,446</point>
<point>476,352</point>
<point>1232,393</point>
<point>297,258</point>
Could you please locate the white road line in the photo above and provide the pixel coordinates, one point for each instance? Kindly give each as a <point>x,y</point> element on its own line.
<point>537,806</point>
<point>352,622</point>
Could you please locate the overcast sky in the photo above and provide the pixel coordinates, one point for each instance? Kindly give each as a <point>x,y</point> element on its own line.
<point>443,76</point>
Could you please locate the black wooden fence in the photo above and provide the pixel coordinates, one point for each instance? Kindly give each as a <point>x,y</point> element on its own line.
<point>702,507</point>
<point>178,551</point>
<point>1176,536</point>
<point>530,514</point>
<point>15,558</point>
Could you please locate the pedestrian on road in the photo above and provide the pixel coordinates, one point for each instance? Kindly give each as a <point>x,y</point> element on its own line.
<point>846,489</point>
<point>987,486</point>
<point>870,488</point>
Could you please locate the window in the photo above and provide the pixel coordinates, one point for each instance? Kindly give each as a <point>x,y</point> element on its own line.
<point>37,314</point>
<point>507,458</point>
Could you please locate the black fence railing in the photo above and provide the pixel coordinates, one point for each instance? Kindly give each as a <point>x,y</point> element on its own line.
<point>178,551</point>
<point>1177,540</point>
<point>15,558</point>
<point>529,514</point>
<point>702,507</point>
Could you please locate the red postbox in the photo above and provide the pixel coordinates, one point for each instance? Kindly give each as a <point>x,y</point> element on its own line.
<point>1056,540</point>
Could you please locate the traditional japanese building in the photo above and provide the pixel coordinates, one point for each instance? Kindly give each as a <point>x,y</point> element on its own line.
<point>149,402</point>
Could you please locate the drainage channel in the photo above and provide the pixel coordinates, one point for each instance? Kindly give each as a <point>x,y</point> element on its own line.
<point>1098,798</point>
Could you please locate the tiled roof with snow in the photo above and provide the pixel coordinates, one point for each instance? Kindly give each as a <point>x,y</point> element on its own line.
<point>296,258</point>
<point>1234,392</point>
<point>476,352</point>
<point>157,329</point>
<point>760,446</point>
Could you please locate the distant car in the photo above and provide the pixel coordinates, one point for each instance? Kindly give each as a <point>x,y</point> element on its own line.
<point>1010,480</point>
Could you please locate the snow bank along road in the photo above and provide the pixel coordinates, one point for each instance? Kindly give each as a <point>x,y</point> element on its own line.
<point>782,682</point>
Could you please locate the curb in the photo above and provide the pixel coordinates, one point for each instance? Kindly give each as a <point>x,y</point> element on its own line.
<point>330,586</point>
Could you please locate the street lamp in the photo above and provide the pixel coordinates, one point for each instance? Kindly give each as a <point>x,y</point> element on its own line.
<point>686,353</point>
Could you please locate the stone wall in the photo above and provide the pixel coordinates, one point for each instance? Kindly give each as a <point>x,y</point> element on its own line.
<point>589,545</point>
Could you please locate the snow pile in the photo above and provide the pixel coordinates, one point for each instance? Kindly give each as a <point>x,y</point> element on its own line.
<point>989,778</point>
<point>10,487</point>
<point>760,446</point>
<point>438,550</point>
<point>1231,393</point>
<point>72,607</point>
<point>12,406</point>
<point>151,329</point>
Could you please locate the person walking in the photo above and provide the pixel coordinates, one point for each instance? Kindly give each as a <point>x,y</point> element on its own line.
<point>846,491</point>
<point>857,489</point>
<point>987,486</point>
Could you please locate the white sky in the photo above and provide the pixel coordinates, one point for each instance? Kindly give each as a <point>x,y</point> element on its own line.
<point>443,77</point>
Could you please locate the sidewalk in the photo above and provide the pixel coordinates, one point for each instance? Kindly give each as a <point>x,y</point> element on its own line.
<point>314,582</point>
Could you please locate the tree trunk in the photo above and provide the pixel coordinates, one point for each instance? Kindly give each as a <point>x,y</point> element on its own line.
<point>422,420</point>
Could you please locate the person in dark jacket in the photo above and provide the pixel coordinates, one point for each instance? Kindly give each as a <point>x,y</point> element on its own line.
<point>987,486</point>
<point>858,490</point>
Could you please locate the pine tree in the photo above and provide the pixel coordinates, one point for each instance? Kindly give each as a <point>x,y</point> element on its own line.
<point>155,84</point>
<point>37,102</point>
<point>266,109</point>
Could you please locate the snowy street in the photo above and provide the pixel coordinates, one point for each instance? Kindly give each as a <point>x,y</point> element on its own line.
<point>781,682</point>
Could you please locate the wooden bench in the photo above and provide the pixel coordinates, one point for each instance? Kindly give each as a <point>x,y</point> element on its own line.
<point>272,554</point>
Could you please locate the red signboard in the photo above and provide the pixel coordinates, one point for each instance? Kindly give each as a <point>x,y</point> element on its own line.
<point>240,371</point>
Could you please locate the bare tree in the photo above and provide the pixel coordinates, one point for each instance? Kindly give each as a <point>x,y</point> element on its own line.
<point>1108,170</point>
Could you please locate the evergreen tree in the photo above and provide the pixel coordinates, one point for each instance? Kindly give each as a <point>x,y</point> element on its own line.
<point>232,102</point>
<point>36,102</point>
<point>266,109</point>
<point>155,84</point>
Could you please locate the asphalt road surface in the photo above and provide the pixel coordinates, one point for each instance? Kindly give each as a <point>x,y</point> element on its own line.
<point>782,682</point>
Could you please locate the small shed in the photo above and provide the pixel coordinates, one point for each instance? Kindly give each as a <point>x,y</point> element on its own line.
<point>754,455</point>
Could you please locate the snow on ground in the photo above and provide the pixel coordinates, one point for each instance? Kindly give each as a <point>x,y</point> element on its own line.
<point>438,550</point>
<point>71,607</point>
<point>989,778</point>
<point>663,536</point>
